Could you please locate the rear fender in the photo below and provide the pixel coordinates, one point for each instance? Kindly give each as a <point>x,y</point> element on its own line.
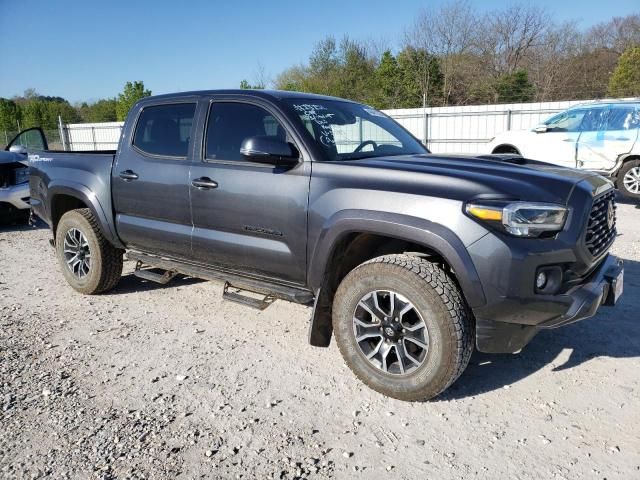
<point>82,193</point>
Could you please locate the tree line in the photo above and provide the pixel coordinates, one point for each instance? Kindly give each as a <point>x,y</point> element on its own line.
<point>450,55</point>
<point>34,110</point>
<point>456,55</point>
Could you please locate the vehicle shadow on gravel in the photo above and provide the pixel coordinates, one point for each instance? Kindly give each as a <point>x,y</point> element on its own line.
<point>613,332</point>
<point>627,201</point>
<point>21,226</point>
<point>132,284</point>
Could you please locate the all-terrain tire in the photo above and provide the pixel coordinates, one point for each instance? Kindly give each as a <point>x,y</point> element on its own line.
<point>438,300</point>
<point>630,169</point>
<point>106,260</point>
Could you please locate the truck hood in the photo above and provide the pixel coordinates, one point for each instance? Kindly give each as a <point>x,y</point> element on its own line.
<point>10,157</point>
<point>487,176</point>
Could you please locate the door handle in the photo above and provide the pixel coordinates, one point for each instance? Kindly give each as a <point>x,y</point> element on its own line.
<point>128,175</point>
<point>204,183</point>
<point>568,140</point>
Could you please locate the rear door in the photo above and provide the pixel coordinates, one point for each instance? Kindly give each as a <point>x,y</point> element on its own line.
<point>254,216</point>
<point>611,134</point>
<point>150,181</point>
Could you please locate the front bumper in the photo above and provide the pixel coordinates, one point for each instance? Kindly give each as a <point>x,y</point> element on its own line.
<point>16,196</point>
<point>510,332</point>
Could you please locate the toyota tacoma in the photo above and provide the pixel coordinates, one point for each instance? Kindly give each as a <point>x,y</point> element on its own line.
<point>408,259</point>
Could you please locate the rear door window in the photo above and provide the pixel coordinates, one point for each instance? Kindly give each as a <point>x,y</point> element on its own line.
<point>165,130</point>
<point>623,117</point>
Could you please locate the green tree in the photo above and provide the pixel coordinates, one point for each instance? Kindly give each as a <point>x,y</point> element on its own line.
<point>9,115</point>
<point>421,77</point>
<point>101,111</point>
<point>131,94</point>
<point>514,87</point>
<point>625,81</point>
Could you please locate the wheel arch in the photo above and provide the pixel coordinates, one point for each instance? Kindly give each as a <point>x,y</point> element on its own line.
<point>506,148</point>
<point>353,239</point>
<point>66,197</point>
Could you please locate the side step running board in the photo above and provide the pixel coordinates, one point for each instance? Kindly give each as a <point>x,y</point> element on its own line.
<point>162,278</point>
<point>257,303</point>
<point>270,290</point>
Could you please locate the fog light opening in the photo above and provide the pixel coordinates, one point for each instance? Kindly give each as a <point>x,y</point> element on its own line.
<point>541,280</point>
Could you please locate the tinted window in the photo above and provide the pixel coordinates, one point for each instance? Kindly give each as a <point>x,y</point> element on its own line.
<point>165,129</point>
<point>623,117</point>
<point>230,123</point>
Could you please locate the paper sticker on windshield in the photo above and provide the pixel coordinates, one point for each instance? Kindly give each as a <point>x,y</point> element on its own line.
<point>373,112</point>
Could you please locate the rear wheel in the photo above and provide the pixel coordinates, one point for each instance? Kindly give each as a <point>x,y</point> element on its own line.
<point>629,179</point>
<point>89,263</point>
<point>403,327</point>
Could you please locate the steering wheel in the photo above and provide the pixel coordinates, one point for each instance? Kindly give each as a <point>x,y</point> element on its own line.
<point>364,144</point>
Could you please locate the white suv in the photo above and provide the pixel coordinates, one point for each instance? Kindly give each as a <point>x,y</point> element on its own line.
<point>602,137</point>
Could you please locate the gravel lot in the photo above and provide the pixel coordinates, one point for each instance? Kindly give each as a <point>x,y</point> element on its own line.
<point>154,381</point>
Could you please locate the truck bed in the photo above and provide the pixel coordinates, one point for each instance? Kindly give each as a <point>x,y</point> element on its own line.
<point>55,172</point>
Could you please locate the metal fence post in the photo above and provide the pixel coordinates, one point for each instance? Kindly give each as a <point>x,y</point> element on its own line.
<point>93,136</point>
<point>509,119</point>
<point>426,128</point>
<point>62,136</point>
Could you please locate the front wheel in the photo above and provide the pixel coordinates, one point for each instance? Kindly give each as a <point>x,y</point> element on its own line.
<point>89,263</point>
<point>403,327</point>
<point>629,180</point>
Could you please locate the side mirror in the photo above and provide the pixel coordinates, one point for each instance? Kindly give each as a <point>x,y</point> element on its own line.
<point>541,129</point>
<point>271,150</point>
<point>21,149</point>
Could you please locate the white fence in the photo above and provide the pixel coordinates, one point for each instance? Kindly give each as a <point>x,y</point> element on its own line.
<point>443,129</point>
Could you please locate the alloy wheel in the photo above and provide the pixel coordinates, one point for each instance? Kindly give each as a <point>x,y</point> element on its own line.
<point>77,254</point>
<point>631,180</point>
<point>390,332</point>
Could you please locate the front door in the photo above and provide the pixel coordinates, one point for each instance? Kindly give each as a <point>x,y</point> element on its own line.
<point>608,136</point>
<point>248,216</point>
<point>558,143</point>
<point>151,182</point>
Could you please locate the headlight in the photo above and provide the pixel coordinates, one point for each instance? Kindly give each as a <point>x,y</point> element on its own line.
<point>521,219</point>
<point>21,175</point>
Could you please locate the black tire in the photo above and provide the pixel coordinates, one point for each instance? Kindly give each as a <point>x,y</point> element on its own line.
<point>106,261</point>
<point>628,167</point>
<point>436,298</point>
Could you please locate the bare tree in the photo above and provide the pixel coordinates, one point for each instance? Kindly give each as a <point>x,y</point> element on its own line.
<point>512,34</point>
<point>450,32</point>
<point>617,34</point>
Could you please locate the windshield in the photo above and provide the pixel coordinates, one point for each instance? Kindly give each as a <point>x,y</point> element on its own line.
<point>350,131</point>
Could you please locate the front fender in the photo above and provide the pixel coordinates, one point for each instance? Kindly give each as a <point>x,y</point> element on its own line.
<point>89,198</point>
<point>431,235</point>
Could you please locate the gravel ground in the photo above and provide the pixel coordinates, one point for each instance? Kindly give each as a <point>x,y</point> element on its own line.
<point>153,381</point>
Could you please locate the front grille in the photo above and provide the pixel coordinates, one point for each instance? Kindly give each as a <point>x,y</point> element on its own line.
<point>601,230</point>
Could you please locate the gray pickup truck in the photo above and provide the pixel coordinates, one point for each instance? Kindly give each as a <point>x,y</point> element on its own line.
<point>409,259</point>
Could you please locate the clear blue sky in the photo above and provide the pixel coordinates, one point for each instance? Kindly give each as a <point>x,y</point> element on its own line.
<point>86,50</point>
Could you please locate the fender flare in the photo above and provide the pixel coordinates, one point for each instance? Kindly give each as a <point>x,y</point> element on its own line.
<point>423,232</point>
<point>84,194</point>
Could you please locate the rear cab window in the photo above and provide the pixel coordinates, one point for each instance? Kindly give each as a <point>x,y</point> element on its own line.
<point>165,130</point>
